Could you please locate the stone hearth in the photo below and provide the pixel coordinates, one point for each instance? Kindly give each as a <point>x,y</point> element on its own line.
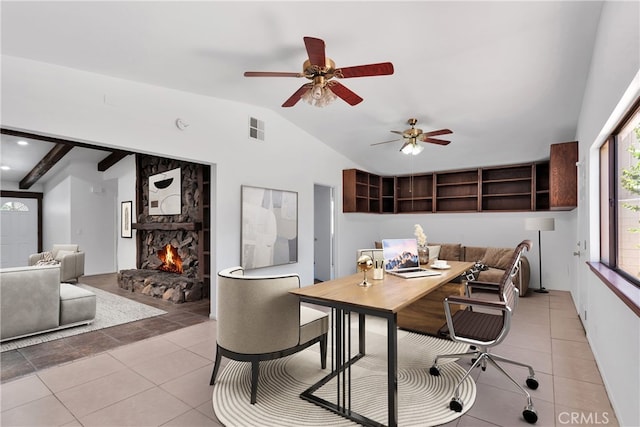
<point>177,288</point>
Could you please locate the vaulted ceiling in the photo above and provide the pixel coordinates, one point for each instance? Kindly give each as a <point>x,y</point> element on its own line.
<point>506,77</point>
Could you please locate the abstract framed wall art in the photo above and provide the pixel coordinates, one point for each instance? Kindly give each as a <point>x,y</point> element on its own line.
<point>165,193</point>
<point>269,234</point>
<point>125,220</point>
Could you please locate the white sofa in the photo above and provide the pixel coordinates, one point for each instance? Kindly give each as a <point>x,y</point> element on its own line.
<point>33,301</point>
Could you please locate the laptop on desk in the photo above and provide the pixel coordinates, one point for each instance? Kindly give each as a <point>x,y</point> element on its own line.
<point>401,259</point>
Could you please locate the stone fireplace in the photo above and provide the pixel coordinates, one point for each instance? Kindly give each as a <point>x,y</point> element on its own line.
<point>172,256</point>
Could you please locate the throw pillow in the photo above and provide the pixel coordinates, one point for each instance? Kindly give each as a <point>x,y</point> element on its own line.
<point>434,252</point>
<point>61,254</point>
<point>450,251</point>
<point>497,258</point>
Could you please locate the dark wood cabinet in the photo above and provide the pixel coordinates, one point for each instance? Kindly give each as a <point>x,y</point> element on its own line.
<point>457,191</point>
<point>414,193</point>
<point>508,188</point>
<point>388,185</point>
<point>536,186</point>
<point>360,191</point>
<point>542,186</point>
<point>563,176</point>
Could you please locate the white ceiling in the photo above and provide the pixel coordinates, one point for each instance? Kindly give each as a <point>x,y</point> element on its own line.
<point>506,77</point>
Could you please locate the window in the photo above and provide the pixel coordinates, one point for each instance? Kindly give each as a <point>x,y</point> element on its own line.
<point>14,206</point>
<point>620,198</point>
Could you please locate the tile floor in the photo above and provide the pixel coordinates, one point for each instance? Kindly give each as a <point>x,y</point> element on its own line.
<point>163,380</point>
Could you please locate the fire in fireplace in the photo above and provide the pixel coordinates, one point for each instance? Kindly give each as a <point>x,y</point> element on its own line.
<point>170,258</point>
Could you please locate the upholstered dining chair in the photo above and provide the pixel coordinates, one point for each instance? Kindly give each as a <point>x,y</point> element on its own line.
<point>258,319</point>
<point>484,324</point>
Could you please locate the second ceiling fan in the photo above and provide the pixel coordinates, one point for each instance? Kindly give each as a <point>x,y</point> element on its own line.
<point>414,135</point>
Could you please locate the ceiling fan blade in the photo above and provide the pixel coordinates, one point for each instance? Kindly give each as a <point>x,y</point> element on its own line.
<point>381,69</point>
<point>385,142</point>
<point>435,141</point>
<point>340,90</point>
<point>315,50</point>
<point>438,132</point>
<point>271,74</point>
<point>399,132</point>
<point>297,95</point>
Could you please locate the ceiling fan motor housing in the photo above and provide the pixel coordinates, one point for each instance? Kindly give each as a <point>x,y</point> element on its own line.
<point>311,71</point>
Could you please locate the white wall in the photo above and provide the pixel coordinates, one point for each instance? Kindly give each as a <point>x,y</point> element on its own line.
<point>124,172</point>
<point>79,207</point>
<point>56,208</point>
<point>93,222</point>
<point>500,229</point>
<point>613,330</point>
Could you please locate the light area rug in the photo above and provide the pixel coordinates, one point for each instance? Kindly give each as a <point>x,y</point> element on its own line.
<point>423,400</point>
<point>111,310</point>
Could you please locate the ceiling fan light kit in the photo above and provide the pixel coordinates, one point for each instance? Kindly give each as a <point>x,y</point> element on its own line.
<point>320,94</point>
<point>412,148</point>
<point>320,70</point>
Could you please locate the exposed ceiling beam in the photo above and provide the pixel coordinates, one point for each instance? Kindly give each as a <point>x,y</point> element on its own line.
<point>111,160</point>
<point>58,152</point>
<point>43,166</point>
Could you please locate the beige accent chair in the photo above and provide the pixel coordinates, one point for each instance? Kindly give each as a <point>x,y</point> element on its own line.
<point>258,319</point>
<point>71,260</point>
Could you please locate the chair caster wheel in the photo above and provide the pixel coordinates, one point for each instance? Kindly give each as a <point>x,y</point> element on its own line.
<point>532,383</point>
<point>530,415</point>
<point>455,405</point>
<point>434,371</point>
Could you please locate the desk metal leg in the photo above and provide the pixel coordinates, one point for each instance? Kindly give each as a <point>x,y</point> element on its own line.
<point>341,368</point>
<point>362,341</point>
<point>392,369</point>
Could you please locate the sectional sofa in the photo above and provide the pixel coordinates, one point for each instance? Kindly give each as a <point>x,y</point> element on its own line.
<point>33,301</point>
<point>497,259</point>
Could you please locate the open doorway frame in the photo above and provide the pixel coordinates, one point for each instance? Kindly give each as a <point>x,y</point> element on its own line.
<point>323,232</point>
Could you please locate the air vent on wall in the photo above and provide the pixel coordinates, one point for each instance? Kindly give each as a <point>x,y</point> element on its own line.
<point>256,129</point>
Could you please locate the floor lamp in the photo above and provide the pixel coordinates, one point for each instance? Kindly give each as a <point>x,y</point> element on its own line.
<point>540,224</point>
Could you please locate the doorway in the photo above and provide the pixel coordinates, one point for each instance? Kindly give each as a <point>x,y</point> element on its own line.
<point>323,232</point>
<point>20,227</point>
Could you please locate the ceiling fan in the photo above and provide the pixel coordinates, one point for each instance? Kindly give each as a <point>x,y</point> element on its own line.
<point>320,69</point>
<point>413,135</point>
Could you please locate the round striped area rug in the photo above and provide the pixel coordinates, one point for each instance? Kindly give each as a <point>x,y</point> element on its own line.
<point>423,400</point>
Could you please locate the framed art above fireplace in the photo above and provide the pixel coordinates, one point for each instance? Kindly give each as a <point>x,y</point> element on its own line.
<point>165,193</point>
<point>269,234</point>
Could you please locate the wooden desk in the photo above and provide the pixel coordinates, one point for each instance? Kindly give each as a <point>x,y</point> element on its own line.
<point>385,298</point>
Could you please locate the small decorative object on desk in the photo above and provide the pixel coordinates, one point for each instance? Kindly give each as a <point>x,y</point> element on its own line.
<point>364,264</point>
<point>378,270</point>
<point>423,250</point>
